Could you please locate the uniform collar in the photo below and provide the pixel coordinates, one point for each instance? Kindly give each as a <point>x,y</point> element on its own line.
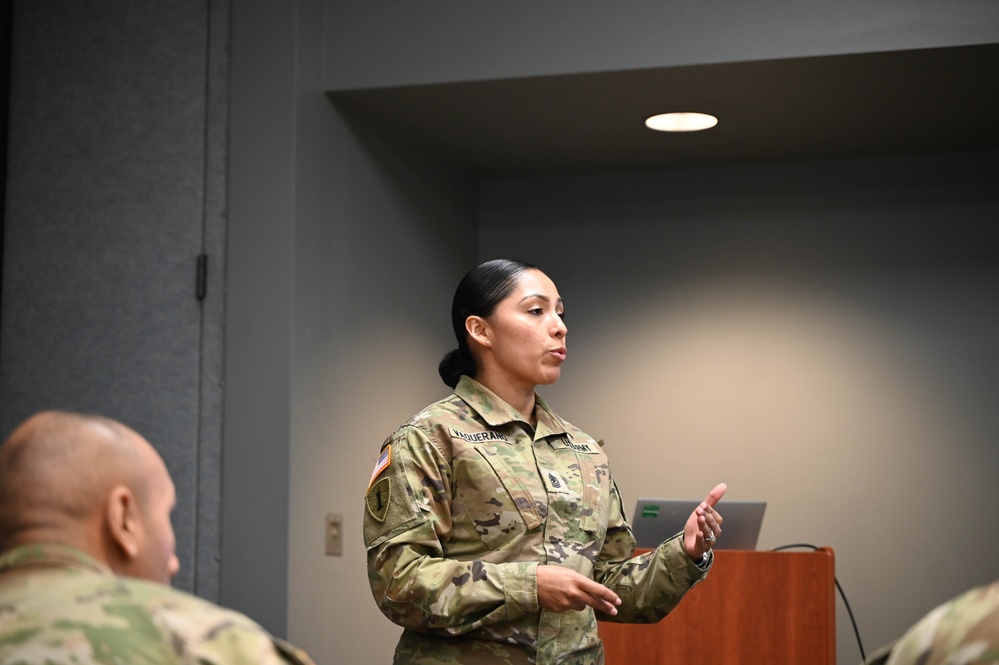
<point>495,411</point>
<point>60,556</point>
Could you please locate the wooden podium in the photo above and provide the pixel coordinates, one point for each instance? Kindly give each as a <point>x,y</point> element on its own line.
<point>754,607</point>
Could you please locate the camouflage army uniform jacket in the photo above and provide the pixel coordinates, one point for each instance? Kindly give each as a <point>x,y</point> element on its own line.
<point>58,605</point>
<point>467,499</point>
<point>964,631</point>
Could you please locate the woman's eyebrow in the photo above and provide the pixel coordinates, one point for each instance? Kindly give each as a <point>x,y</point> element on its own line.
<point>539,296</point>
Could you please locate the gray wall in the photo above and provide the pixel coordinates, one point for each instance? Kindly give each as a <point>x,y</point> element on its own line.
<point>337,241</point>
<point>258,314</point>
<point>115,186</point>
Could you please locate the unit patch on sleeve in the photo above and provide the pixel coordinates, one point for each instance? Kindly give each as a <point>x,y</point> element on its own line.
<point>378,497</point>
<point>383,463</point>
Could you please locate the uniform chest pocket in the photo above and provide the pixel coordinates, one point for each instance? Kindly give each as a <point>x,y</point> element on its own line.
<point>496,494</point>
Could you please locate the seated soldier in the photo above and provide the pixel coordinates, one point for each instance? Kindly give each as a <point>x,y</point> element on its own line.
<point>87,553</point>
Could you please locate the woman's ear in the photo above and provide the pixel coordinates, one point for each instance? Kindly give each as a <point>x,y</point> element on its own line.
<point>123,521</point>
<point>478,330</point>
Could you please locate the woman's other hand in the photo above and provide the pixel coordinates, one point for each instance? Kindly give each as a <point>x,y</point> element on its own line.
<point>562,589</point>
<point>704,525</point>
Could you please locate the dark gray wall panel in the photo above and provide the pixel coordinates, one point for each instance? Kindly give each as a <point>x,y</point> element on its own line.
<point>110,189</point>
<point>209,511</point>
<point>261,246</point>
<point>454,40</point>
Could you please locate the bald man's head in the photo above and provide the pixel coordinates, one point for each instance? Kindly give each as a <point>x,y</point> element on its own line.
<point>91,483</point>
<point>57,468</point>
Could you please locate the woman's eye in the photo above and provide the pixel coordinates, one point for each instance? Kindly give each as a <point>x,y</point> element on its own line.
<point>535,311</point>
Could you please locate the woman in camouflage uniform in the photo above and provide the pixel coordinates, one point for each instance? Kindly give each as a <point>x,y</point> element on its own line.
<point>494,531</point>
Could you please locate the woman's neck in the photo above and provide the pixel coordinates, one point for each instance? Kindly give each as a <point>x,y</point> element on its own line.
<point>521,398</point>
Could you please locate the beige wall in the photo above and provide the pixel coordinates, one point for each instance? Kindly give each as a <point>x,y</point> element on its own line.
<point>820,336</point>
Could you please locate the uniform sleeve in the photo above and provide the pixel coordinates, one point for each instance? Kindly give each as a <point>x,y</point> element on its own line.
<point>407,518</point>
<point>204,634</point>
<point>235,644</point>
<point>650,585</point>
<point>964,630</point>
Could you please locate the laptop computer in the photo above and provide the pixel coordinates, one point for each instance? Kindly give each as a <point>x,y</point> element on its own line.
<point>657,520</point>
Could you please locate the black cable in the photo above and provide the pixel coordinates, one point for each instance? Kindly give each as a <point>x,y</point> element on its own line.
<point>863,656</point>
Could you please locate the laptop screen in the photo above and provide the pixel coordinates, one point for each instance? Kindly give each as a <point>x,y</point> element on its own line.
<point>657,520</point>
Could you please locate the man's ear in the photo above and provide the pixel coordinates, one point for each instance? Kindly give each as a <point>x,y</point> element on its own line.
<point>478,330</point>
<point>123,521</point>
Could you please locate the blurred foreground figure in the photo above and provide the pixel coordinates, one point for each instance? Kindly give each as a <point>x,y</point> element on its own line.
<point>963,631</point>
<point>87,553</point>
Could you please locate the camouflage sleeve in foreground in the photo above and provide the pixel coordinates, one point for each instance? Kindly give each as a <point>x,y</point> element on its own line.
<point>964,631</point>
<point>204,634</point>
<point>58,605</point>
<point>407,516</point>
<point>650,585</point>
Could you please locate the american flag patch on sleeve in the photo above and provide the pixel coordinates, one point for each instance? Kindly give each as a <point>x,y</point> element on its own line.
<point>383,462</point>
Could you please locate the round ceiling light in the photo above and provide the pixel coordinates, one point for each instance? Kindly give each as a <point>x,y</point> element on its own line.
<point>681,122</point>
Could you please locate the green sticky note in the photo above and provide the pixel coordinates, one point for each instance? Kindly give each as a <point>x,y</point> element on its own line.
<point>650,511</point>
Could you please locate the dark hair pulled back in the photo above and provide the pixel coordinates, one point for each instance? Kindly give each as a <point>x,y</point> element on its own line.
<point>478,294</point>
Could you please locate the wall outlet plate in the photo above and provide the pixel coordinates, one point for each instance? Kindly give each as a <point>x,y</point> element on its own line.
<point>334,535</point>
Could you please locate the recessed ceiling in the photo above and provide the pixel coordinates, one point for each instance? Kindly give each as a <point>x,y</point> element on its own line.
<point>889,103</point>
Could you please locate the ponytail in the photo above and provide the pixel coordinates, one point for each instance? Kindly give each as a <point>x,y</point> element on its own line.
<point>478,293</point>
<point>455,363</point>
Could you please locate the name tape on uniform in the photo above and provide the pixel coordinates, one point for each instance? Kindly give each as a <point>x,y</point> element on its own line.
<point>479,437</point>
